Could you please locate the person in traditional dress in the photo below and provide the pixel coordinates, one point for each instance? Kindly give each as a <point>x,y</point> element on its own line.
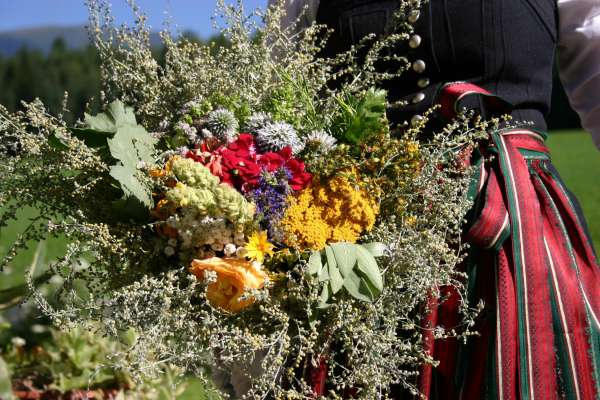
<point>531,259</point>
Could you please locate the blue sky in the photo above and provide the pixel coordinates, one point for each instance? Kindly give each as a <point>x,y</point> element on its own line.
<point>187,14</point>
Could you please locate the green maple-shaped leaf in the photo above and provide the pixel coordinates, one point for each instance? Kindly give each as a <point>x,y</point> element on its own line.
<point>132,145</point>
<point>117,115</point>
<point>131,184</point>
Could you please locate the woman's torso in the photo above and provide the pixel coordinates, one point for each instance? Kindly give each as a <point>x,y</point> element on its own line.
<point>505,46</point>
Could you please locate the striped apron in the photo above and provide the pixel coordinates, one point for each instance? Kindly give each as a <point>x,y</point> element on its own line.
<point>534,266</point>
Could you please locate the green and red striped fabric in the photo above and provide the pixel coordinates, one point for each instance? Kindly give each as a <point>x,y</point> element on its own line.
<point>535,268</point>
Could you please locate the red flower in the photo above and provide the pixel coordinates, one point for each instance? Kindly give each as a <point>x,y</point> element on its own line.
<point>283,159</point>
<point>300,178</point>
<point>271,162</point>
<point>238,164</point>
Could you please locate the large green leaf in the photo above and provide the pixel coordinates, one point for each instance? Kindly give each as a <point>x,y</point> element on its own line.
<point>314,263</point>
<point>91,137</point>
<point>375,248</point>
<point>335,278</point>
<point>117,115</point>
<point>367,265</point>
<point>131,145</point>
<point>345,256</point>
<point>131,185</point>
<point>353,283</point>
<point>324,297</point>
<point>349,266</point>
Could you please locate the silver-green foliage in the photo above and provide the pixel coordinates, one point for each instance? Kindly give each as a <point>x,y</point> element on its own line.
<point>129,283</point>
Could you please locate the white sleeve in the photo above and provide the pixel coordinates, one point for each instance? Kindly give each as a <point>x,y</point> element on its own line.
<point>579,59</point>
<point>296,8</point>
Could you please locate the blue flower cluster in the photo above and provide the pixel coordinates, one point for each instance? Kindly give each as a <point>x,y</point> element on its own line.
<point>270,197</point>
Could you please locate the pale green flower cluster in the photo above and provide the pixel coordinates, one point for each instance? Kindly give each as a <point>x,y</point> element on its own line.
<point>200,190</point>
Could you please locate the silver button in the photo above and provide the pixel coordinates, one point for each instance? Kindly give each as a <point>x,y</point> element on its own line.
<point>416,119</point>
<point>414,41</point>
<point>419,97</point>
<point>414,16</point>
<point>423,82</point>
<point>419,66</point>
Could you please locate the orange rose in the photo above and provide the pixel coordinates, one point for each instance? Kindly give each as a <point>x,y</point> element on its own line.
<point>234,277</point>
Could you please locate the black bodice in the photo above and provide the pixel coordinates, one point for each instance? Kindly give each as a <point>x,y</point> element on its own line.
<point>505,46</point>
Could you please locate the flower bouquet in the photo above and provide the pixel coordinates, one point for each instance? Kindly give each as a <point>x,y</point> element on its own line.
<point>246,212</point>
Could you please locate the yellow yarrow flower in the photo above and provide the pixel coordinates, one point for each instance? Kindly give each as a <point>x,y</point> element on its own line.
<point>258,247</point>
<point>336,211</point>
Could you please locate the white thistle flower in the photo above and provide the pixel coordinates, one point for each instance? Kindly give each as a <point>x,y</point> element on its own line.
<point>322,140</point>
<point>257,121</point>
<point>223,125</point>
<point>277,135</point>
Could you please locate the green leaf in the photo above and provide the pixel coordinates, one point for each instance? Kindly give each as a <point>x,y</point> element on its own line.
<point>14,295</point>
<point>115,117</point>
<point>57,142</point>
<point>315,263</point>
<point>367,118</point>
<point>324,297</point>
<point>5,383</point>
<point>330,256</point>
<point>350,266</point>
<point>345,256</point>
<point>353,283</point>
<point>323,275</point>
<point>336,280</point>
<point>375,248</point>
<point>367,265</point>
<point>92,138</point>
<point>335,277</point>
<point>132,144</point>
<point>131,185</point>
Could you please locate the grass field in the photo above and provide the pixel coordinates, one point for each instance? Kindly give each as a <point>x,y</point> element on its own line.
<point>578,161</point>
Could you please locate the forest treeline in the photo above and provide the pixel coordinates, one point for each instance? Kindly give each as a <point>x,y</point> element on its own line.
<point>30,74</point>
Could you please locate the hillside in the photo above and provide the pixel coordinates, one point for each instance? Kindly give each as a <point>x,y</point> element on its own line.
<point>41,38</point>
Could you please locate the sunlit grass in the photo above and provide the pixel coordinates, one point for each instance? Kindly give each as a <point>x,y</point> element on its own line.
<point>578,161</point>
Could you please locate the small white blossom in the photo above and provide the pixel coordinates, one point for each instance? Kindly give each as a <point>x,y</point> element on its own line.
<point>230,249</point>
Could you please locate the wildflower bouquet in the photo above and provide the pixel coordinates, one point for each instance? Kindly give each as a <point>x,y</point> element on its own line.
<point>247,211</point>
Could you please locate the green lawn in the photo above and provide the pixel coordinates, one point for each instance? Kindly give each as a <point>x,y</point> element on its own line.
<point>578,161</point>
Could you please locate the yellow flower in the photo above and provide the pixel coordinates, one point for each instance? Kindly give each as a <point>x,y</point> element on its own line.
<point>258,247</point>
<point>234,277</point>
<point>332,211</point>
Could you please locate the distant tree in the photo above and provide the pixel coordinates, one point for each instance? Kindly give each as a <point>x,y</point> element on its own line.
<point>30,74</point>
